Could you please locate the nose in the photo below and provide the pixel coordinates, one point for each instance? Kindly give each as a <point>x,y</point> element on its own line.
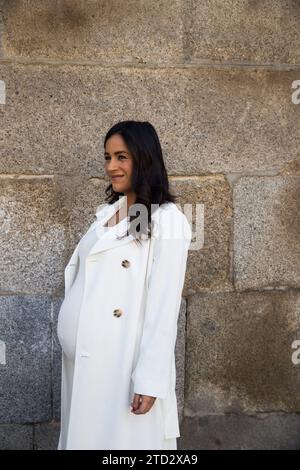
<point>112,165</point>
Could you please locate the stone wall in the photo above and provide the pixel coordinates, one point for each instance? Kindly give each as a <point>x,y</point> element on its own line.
<point>215,79</point>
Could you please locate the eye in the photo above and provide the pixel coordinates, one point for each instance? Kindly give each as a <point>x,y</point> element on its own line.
<point>107,157</point>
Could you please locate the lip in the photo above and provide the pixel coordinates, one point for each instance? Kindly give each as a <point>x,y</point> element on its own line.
<point>117,177</point>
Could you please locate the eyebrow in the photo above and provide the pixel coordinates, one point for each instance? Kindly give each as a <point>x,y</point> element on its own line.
<point>116,153</point>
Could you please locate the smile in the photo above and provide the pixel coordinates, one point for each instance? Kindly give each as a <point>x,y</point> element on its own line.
<point>117,178</point>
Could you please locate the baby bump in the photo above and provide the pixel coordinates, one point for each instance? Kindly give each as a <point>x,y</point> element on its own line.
<point>67,323</point>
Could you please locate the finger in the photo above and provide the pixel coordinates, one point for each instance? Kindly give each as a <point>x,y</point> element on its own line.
<point>136,401</point>
<point>144,406</point>
<point>140,409</point>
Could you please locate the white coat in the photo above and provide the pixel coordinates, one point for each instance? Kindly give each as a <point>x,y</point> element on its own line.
<point>117,356</point>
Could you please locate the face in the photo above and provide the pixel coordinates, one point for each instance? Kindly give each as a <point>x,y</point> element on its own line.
<point>118,164</point>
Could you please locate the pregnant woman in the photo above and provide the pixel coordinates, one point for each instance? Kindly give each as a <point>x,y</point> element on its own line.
<point>117,325</point>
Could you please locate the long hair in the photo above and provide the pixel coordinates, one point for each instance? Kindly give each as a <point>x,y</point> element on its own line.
<point>149,176</point>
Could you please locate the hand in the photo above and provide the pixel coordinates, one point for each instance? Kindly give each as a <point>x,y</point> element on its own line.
<point>141,404</point>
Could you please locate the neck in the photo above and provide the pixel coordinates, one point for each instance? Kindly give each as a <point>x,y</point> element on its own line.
<point>130,199</point>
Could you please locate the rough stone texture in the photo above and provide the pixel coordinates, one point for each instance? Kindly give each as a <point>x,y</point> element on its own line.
<point>238,432</point>
<point>1,31</point>
<point>248,31</point>
<point>26,377</point>
<point>56,364</point>
<point>16,437</point>
<point>209,120</point>
<point>116,31</point>
<point>60,210</point>
<point>46,436</point>
<point>33,224</point>
<point>208,266</point>
<point>180,358</point>
<point>239,353</point>
<point>86,197</point>
<point>71,108</point>
<point>267,232</point>
<point>154,31</point>
<point>239,120</point>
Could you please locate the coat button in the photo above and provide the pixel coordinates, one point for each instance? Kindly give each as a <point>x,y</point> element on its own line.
<point>117,312</point>
<point>125,263</point>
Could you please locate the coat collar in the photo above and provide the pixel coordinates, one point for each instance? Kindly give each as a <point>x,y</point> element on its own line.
<point>109,239</point>
<point>105,211</point>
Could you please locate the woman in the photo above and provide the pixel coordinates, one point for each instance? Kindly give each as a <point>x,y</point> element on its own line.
<point>117,324</point>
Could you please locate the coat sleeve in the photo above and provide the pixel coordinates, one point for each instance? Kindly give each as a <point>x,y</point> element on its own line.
<point>152,373</point>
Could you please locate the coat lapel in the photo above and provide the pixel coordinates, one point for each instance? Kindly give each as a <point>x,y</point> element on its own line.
<point>109,239</point>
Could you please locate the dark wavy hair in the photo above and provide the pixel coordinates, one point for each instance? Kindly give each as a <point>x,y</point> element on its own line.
<point>149,176</point>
